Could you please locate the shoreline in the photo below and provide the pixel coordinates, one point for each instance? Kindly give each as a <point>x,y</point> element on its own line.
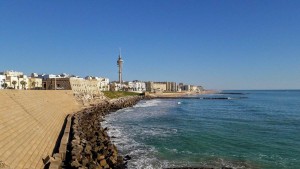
<point>135,156</point>
<point>178,94</point>
<point>90,145</point>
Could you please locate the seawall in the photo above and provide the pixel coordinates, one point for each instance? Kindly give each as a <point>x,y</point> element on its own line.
<point>90,144</point>
<point>30,123</point>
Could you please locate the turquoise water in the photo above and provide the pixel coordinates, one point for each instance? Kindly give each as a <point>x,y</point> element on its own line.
<point>261,130</point>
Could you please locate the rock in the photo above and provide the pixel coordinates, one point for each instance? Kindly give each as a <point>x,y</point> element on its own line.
<point>75,163</point>
<point>91,144</point>
<point>226,167</point>
<point>127,157</point>
<point>88,149</point>
<point>82,168</point>
<point>103,163</point>
<point>99,167</point>
<point>112,161</point>
<point>85,161</point>
<point>92,165</point>
<point>100,157</point>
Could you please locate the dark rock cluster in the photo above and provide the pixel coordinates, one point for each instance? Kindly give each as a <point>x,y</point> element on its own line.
<point>91,147</point>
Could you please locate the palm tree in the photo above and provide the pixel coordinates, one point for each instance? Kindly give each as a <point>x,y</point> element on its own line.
<point>14,83</point>
<point>23,83</point>
<point>4,85</point>
<point>33,84</point>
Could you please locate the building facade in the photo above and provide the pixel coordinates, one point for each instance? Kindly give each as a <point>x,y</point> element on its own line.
<point>103,83</point>
<point>85,87</point>
<point>35,83</point>
<point>156,86</point>
<point>171,86</point>
<point>161,86</point>
<point>14,80</point>
<point>115,86</point>
<point>56,83</point>
<point>136,86</point>
<point>79,86</point>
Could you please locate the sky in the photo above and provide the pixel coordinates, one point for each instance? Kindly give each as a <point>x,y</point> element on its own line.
<point>219,44</point>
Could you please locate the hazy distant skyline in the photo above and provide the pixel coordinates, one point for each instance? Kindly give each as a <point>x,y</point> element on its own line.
<point>217,44</point>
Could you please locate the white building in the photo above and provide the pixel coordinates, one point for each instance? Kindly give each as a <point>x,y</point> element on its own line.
<point>15,80</point>
<point>48,76</point>
<point>136,86</point>
<point>103,83</point>
<point>114,86</point>
<point>11,73</point>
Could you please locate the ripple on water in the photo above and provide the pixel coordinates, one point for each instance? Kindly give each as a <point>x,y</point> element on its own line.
<point>256,132</point>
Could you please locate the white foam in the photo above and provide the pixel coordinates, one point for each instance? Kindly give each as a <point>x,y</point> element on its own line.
<point>162,132</point>
<point>148,103</point>
<point>143,156</point>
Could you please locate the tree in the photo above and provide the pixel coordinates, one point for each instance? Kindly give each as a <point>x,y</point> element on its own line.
<point>4,85</point>
<point>33,84</point>
<point>14,83</point>
<point>23,83</point>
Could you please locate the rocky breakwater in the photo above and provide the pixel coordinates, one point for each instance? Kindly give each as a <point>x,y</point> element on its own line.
<point>91,147</point>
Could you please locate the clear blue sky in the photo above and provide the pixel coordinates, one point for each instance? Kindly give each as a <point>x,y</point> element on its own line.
<point>221,44</point>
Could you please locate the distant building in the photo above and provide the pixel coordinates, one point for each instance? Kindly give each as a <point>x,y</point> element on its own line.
<point>115,86</point>
<point>34,82</point>
<point>171,86</point>
<point>136,86</point>
<point>11,73</point>
<point>56,83</point>
<point>194,88</point>
<point>34,75</point>
<point>156,86</point>
<point>186,88</point>
<point>15,80</point>
<point>161,86</point>
<point>103,83</point>
<point>190,88</point>
<point>85,87</point>
<point>200,88</point>
<point>47,76</point>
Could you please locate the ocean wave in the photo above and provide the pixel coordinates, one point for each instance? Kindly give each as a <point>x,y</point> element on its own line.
<point>142,155</point>
<point>146,156</point>
<point>148,103</point>
<point>159,131</point>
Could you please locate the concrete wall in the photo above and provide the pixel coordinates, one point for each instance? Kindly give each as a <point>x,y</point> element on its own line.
<point>82,86</point>
<point>30,122</point>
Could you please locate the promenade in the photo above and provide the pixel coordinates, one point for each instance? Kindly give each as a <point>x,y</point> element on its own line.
<point>30,123</point>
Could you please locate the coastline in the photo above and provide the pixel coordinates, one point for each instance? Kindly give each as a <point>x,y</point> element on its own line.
<point>90,144</point>
<point>178,94</point>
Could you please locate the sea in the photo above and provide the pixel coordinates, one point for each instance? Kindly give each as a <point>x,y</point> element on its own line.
<point>237,129</point>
